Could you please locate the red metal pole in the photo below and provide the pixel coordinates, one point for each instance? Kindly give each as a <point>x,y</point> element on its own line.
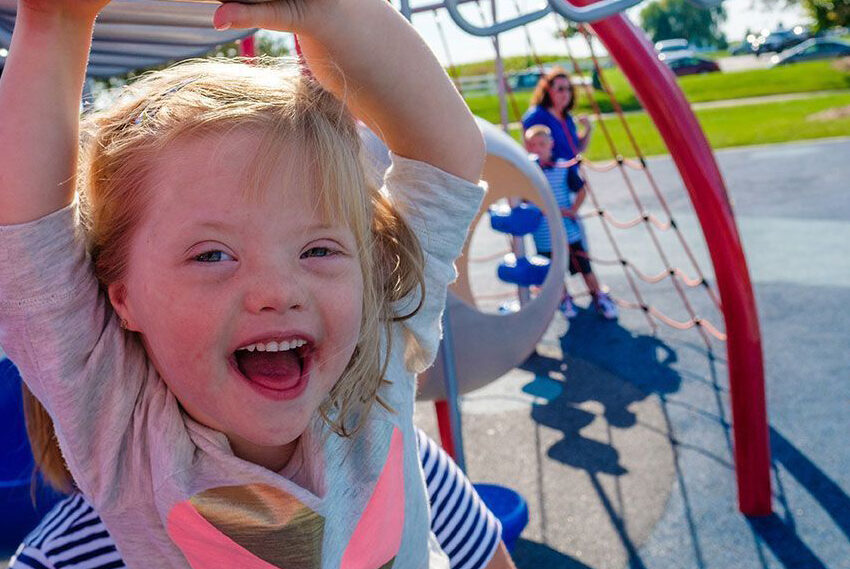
<point>444,423</point>
<point>248,47</point>
<point>656,87</point>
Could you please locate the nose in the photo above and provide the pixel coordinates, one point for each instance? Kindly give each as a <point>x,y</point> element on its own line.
<point>274,287</point>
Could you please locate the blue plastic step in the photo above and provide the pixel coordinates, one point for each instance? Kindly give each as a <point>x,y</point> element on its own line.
<point>523,271</point>
<point>518,220</point>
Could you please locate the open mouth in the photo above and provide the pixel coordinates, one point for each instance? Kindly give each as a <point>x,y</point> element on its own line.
<point>277,368</point>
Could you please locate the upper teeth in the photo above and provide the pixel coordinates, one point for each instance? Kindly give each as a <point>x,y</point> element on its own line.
<point>275,346</point>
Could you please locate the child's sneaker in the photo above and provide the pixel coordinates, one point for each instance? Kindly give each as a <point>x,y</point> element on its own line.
<point>567,308</point>
<point>605,306</point>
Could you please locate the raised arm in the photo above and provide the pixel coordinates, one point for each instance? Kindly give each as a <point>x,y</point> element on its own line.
<point>40,105</point>
<point>368,55</point>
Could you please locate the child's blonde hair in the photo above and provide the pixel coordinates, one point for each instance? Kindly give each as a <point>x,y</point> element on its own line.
<point>119,149</point>
<point>538,130</point>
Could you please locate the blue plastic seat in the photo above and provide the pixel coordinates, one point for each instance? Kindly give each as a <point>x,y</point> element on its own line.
<point>518,220</point>
<point>509,507</point>
<point>523,271</point>
<point>20,515</point>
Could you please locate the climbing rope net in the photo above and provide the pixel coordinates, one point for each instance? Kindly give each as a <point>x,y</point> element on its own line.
<point>632,169</point>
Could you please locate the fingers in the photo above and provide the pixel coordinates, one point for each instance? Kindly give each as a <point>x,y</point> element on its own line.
<point>269,15</point>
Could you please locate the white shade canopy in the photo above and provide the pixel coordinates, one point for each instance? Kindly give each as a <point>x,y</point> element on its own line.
<point>136,34</point>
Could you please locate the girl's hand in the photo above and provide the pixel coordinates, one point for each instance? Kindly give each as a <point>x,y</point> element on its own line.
<point>281,15</point>
<point>75,9</point>
<point>568,212</point>
<point>585,122</point>
<point>370,57</point>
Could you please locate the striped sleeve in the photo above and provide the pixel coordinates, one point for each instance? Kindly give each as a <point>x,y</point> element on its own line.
<point>70,535</point>
<point>467,531</point>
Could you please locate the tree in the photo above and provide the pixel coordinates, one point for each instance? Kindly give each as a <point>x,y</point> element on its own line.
<point>828,13</point>
<point>669,19</point>
<point>272,43</point>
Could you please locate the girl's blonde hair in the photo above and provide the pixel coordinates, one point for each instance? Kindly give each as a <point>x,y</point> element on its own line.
<point>118,154</point>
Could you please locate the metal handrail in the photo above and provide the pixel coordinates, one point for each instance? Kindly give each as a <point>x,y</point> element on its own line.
<point>495,28</point>
<point>592,13</point>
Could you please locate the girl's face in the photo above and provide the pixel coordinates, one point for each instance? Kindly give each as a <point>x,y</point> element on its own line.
<point>559,93</point>
<point>218,280</point>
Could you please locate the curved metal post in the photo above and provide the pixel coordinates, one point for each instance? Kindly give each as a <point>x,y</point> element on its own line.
<point>662,98</point>
<point>593,12</point>
<point>451,410</point>
<point>493,29</point>
<point>248,47</point>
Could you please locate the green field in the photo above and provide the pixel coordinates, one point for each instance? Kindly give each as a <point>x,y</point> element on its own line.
<point>511,64</point>
<point>737,126</point>
<point>799,78</point>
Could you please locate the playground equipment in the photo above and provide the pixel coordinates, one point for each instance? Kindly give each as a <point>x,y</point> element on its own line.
<point>20,514</point>
<point>130,34</point>
<point>656,88</point>
<point>509,507</point>
<point>500,341</point>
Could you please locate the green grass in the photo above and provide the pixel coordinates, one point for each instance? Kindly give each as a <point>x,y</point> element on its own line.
<point>736,126</point>
<point>799,78</point>
<point>511,64</point>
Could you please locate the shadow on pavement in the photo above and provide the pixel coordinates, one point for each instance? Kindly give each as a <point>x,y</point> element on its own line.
<point>778,533</point>
<point>651,365</point>
<point>823,489</point>
<point>782,539</point>
<point>533,555</point>
<point>644,361</point>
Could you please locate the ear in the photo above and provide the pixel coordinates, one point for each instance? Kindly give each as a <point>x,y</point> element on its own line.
<point>118,297</point>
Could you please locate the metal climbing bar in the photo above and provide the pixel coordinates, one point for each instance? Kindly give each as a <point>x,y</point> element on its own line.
<point>495,28</point>
<point>592,12</point>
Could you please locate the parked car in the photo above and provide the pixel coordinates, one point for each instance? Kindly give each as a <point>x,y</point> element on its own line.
<point>810,50</point>
<point>780,40</point>
<point>743,48</point>
<point>666,46</point>
<point>673,48</point>
<point>691,65</point>
<point>524,80</point>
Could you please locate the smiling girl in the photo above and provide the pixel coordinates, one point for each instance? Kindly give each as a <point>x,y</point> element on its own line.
<point>222,316</point>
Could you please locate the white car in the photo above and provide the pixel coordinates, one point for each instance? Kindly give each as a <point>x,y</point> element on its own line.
<point>673,48</point>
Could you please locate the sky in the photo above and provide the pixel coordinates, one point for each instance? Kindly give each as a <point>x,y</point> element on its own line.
<point>741,16</point>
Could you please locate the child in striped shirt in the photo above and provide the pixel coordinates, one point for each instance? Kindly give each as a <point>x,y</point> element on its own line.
<point>566,181</point>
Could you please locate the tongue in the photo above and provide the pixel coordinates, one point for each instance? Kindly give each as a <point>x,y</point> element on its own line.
<point>278,370</point>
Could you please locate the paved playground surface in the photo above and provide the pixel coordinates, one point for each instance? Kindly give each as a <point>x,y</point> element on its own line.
<point>620,438</point>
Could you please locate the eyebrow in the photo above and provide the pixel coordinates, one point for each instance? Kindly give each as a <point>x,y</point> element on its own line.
<point>222,225</point>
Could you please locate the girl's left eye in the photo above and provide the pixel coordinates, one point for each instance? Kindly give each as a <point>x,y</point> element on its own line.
<point>318,252</point>
<point>213,257</point>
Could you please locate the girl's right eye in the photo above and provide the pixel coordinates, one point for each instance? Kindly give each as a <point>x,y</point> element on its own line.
<point>215,256</point>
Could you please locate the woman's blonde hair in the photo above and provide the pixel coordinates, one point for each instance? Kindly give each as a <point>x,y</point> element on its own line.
<point>276,99</point>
